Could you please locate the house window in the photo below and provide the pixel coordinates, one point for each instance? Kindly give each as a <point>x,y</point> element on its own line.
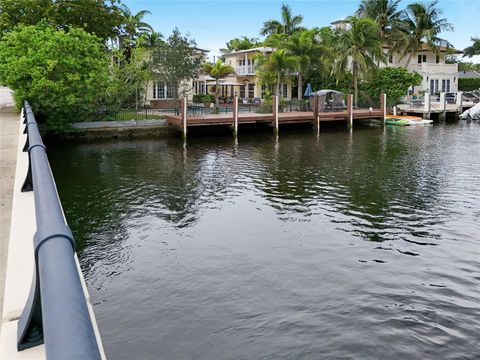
<point>162,91</point>
<point>437,59</point>
<point>264,90</point>
<point>390,58</point>
<point>251,90</point>
<point>422,58</point>
<point>448,85</point>
<point>444,85</point>
<point>242,91</point>
<point>284,91</point>
<point>433,86</point>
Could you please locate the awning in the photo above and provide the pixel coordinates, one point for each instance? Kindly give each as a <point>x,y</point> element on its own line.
<point>225,83</point>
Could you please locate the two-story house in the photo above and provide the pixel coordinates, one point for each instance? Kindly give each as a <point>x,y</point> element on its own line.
<point>244,83</point>
<point>437,75</point>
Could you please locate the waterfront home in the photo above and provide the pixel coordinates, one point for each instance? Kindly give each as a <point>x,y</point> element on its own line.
<point>437,75</point>
<point>161,95</point>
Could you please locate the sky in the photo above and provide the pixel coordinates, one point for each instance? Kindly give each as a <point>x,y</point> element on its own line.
<point>213,23</point>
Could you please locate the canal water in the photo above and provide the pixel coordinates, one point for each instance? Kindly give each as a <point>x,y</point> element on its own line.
<point>362,245</point>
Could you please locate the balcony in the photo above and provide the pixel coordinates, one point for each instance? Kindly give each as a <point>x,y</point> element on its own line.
<point>245,70</point>
<point>431,68</point>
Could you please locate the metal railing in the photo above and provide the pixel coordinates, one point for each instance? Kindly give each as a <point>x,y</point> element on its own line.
<point>56,312</point>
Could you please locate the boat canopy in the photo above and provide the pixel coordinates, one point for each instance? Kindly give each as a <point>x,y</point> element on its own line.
<point>325,92</point>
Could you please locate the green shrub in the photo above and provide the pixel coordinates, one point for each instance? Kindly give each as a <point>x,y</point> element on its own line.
<point>468,84</point>
<point>64,75</point>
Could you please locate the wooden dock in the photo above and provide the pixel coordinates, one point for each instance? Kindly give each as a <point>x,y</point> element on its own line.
<point>294,117</point>
<point>184,121</point>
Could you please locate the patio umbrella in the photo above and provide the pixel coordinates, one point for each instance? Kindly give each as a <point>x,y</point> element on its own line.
<point>308,91</point>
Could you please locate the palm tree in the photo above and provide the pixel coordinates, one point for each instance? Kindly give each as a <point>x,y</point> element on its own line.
<point>243,43</point>
<point>385,13</point>
<point>288,25</point>
<point>218,71</point>
<point>281,64</point>
<point>474,49</point>
<point>307,49</point>
<point>359,48</point>
<point>422,24</point>
<point>134,26</point>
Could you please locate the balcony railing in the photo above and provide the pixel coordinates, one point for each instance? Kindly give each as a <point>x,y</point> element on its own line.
<point>432,68</point>
<point>56,312</point>
<point>245,70</point>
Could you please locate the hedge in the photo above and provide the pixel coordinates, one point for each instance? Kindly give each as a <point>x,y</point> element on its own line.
<point>468,84</point>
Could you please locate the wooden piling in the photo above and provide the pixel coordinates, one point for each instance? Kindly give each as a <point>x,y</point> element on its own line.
<point>184,115</point>
<point>275,111</point>
<point>350,110</point>
<point>235,115</point>
<point>316,119</point>
<point>426,106</point>
<point>459,102</point>
<point>383,105</point>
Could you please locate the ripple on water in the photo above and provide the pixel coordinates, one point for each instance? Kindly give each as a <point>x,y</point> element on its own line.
<point>361,245</point>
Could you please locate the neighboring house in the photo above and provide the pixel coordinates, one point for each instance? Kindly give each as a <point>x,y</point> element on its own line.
<point>437,75</point>
<point>245,83</point>
<point>161,94</point>
<point>468,74</point>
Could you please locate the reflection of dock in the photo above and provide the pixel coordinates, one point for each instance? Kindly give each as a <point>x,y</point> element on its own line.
<point>275,118</point>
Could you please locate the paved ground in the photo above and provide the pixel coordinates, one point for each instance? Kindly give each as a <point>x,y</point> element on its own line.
<point>8,159</point>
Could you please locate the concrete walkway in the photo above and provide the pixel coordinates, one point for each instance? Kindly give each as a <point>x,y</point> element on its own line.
<point>8,159</point>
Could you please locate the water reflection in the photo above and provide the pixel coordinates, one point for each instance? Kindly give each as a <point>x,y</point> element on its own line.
<point>250,246</point>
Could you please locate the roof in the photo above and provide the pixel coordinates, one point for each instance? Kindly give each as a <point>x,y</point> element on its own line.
<point>257,49</point>
<point>201,50</point>
<point>425,47</point>
<point>339,21</point>
<point>468,74</point>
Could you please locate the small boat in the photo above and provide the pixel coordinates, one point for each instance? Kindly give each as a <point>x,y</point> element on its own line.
<point>405,120</point>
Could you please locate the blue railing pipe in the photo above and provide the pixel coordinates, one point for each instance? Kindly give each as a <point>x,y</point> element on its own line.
<point>57,311</point>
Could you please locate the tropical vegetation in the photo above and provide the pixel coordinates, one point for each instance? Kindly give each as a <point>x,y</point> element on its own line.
<point>218,71</point>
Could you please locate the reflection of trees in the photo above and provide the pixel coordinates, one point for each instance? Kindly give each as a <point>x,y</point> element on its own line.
<point>382,184</point>
<point>379,186</point>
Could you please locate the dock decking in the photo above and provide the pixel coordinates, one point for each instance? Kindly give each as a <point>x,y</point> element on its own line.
<point>294,117</point>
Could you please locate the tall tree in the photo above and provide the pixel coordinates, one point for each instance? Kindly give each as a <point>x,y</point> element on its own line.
<point>100,17</point>
<point>423,24</point>
<point>243,43</point>
<point>134,27</point>
<point>473,49</point>
<point>386,14</point>
<point>358,49</point>
<point>306,47</point>
<point>176,60</point>
<point>58,87</point>
<point>288,25</point>
<point>218,71</point>
<point>280,63</point>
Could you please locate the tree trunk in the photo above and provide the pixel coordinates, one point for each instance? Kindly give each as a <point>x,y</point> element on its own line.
<point>217,102</point>
<point>277,88</point>
<point>300,86</point>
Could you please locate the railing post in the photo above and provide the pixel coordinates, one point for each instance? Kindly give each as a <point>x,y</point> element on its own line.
<point>316,118</point>
<point>350,111</point>
<point>275,112</point>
